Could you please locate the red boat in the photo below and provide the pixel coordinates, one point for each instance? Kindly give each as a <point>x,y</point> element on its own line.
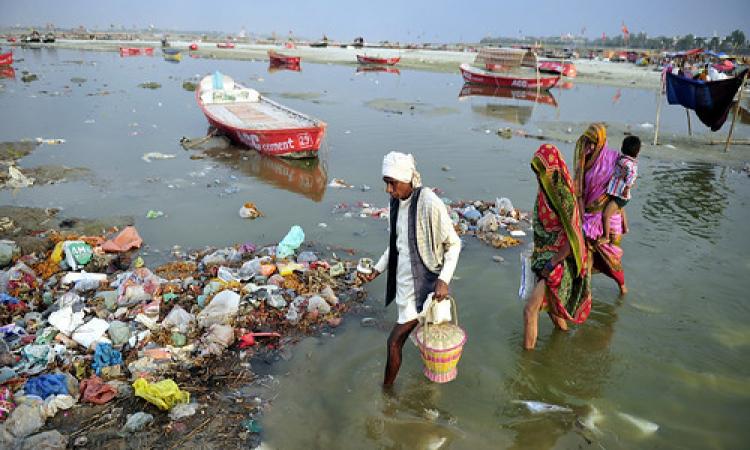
<point>193,46</point>
<point>6,59</point>
<point>567,69</point>
<point>476,75</point>
<point>544,97</point>
<point>361,69</point>
<point>279,59</point>
<point>362,59</point>
<point>225,45</point>
<point>273,68</point>
<point>135,51</point>
<point>255,121</point>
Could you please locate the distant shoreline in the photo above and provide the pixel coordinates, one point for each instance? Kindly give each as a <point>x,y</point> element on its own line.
<point>589,71</point>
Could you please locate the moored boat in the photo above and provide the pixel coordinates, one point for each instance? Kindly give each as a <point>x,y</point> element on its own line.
<point>135,51</point>
<point>567,69</point>
<point>276,58</point>
<point>476,75</point>
<point>225,45</point>
<point>364,59</point>
<point>6,59</point>
<point>8,72</point>
<point>255,121</point>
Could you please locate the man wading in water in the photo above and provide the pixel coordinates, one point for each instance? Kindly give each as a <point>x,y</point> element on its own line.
<point>422,253</point>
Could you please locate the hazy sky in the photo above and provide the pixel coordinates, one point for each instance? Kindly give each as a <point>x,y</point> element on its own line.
<point>404,20</point>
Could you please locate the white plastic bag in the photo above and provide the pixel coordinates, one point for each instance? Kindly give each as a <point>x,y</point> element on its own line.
<point>439,313</point>
<point>527,276</point>
<point>65,320</point>
<point>178,318</point>
<point>91,332</point>
<point>222,308</point>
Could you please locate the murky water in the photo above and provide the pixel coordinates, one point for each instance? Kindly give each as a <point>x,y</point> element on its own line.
<point>674,353</point>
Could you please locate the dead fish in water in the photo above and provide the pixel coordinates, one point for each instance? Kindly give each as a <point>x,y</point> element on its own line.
<point>644,425</point>
<point>541,407</point>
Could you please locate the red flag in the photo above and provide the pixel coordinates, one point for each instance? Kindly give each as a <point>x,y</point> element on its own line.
<point>625,30</point>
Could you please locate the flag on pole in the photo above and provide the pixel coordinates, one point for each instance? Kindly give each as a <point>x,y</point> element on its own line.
<point>625,32</point>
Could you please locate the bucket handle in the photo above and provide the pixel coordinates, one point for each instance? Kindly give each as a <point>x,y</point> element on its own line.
<point>454,316</point>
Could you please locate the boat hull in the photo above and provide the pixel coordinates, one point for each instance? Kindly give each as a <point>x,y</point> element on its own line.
<point>225,45</point>
<point>362,59</point>
<point>135,51</point>
<point>285,60</point>
<point>478,76</point>
<point>285,143</point>
<point>566,69</point>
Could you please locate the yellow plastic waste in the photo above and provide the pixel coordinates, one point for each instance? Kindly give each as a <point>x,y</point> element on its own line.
<point>164,394</point>
<point>57,253</point>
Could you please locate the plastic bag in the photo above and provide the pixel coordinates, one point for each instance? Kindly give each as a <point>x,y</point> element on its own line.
<point>66,320</point>
<point>137,422</point>
<point>253,267</point>
<point>105,356</point>
<point>94,390</point>
<point>218,338</point>
<point>119,332</point>
<point>127,239</point>
<point>316,303</point>
<point>91,332</point>
<point>164,394</point>
<point>45,385</point>
<point>439,313</point>
<point>222,308</point>
<point>488,222</point>
<point>504,206</point>
<point>527,276</point>
<point>25,420</point>
<point>178,318</point>
<point>77,254</point>
<point>291,242</point>
<point>183,410</point>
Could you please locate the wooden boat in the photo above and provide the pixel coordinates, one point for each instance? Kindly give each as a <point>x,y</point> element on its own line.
<point>476,75</point>
<point>543,97</point>
<point>171,51</point>
<point>566,69</point>
<point>225,45</point>
<point>135,51</point>
<point>255,121</point>
<point>276,58</point>
<point>364,59</point>
<point>374,68</point>
<point>6,59</point>
<point>173,57</point>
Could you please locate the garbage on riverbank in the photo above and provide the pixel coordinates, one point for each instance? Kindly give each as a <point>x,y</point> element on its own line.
<point>497,223</point>
<point>116,332</point>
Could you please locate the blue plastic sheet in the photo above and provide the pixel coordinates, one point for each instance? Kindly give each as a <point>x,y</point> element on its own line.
<point>6,299</point>
<point>45,385</point>
<point>105,356</point>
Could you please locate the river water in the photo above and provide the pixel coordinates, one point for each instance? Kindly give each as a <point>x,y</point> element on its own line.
<point>673,354</point>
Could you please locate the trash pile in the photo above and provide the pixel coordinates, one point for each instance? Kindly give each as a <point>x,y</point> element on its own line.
<point>87,322</point>
<point>497,223</point>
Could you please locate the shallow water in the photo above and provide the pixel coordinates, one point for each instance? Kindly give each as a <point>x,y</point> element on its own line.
<point>675,352</point>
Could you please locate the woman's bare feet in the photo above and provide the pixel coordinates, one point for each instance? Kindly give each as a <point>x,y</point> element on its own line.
<point>559,322</point>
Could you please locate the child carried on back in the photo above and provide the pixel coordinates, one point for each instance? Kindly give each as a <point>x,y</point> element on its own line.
<point>618,190</point>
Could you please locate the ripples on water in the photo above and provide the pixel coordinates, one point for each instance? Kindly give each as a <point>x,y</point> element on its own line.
<point>691,196</point>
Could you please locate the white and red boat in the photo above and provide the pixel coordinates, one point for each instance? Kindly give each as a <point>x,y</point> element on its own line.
<point>363,59</point>
<point>255,121</point>
<point>476,75</point>
<point>135,51</point>
<point>6,59</point>
<point>276,58</point>
<point>567,69</point>
<point>225,45</point>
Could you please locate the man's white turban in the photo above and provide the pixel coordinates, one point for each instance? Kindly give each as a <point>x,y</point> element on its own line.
<point>401,167</point>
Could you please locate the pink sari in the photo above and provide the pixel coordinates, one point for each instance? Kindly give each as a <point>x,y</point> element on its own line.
<point>607,258</point>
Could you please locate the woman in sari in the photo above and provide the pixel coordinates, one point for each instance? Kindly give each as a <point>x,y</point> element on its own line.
<point>559,257</point>
<point>594,164</point>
